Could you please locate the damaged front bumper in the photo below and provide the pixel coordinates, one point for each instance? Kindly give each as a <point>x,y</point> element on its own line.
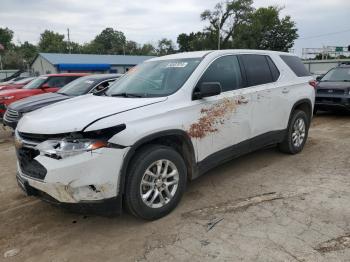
<point>90,179</point>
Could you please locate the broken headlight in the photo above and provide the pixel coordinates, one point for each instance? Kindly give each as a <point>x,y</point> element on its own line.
<point>77,143</point>
<point>65,148</point>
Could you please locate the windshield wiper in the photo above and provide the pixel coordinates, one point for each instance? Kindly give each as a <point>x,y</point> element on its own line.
<point>127,95</point>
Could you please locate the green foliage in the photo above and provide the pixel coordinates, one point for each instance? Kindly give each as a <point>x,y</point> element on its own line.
<point>241,26</point>
<point>165,47</point>
<point>225,18</point>
<point>266,30</point>
<point>51,42</point>
<point>109,41</point>
<point>6,36</point>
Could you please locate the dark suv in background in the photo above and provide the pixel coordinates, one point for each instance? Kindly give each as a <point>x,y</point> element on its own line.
<point>80,86</point>
<point>333,89</point>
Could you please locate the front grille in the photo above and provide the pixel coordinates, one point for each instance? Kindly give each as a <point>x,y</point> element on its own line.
<point>38,138</point>
<point>29,166</point>
<point>331,91</point>
<point>12,115</point>
<point>328,100</point>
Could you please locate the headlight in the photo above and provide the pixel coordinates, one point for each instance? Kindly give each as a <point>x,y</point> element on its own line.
<point>65,148</point>
<point>6,97</point>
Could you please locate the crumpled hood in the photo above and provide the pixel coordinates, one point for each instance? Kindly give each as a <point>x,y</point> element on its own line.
<point>75,114</point>
<point>34,102</point>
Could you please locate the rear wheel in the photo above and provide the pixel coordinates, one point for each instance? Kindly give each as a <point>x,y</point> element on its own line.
<point>297,133</point>
<point>156,182</point>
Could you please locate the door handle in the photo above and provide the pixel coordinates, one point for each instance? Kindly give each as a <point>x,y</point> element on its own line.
<point>285,91</point>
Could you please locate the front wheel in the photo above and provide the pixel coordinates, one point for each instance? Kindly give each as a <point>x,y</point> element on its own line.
<point>297,133</point>
<point>156,182</point>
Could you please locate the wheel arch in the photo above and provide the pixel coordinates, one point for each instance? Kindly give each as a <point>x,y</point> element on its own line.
<point>175,138</point>
<point>304,105</point>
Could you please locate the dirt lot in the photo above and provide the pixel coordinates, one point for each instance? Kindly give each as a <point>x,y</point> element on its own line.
<point>265,206</point>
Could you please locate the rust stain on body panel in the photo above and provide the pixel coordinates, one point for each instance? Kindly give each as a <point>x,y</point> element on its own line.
<point>213,117</point>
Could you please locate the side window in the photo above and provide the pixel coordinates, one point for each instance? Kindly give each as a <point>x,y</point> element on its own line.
<point>226,71</point>
<point>296,65</point>
<point>257,69</point>
<point>102,86</point>
<point>56,82</point>
<point>274,70</point>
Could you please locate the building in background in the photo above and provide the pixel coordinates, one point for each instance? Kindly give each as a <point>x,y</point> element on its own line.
<point>49,63</point>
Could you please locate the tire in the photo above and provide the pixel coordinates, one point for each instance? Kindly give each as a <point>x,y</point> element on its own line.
<point>290,146</point>
<point>152,185</point>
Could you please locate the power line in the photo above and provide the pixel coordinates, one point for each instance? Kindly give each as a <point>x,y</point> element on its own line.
<point>326,34</point>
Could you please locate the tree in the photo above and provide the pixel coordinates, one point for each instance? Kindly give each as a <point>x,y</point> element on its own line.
<point>51,42</point>
<point>148,49</point>
<point>266,30</point>
<point>225,18</point>
<point>196,41</point>
<point>132,48</point>
<point>165,47</point>
<point>28,51</point>
<point>6,36</point>
<point>109,41</point>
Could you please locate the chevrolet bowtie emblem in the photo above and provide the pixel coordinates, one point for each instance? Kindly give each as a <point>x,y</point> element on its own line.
<point>330,91</point>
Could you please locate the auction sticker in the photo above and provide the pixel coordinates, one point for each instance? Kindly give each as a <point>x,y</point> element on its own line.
<point>177,65</point>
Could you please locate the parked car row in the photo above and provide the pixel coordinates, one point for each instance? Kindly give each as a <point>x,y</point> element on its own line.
<point>165,122</point>
<point>83,85</point>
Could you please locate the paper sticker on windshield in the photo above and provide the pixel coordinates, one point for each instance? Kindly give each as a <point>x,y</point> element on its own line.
<point>89,81</point>
<point>177,65</point>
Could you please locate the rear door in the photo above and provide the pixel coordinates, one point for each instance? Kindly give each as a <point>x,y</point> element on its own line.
<point>261,74</point>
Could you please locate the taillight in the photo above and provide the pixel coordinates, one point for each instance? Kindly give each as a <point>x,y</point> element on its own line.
<point>313,83</point>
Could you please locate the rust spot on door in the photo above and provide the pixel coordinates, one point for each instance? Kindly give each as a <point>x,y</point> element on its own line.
<point>213,117</point>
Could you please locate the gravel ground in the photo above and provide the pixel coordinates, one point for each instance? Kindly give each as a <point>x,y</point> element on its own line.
<point>265,206</point>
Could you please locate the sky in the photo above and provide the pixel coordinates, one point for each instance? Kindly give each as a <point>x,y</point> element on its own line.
<point>146,21</point>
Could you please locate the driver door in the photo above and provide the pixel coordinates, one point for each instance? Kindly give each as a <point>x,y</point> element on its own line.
<point>223,120</point>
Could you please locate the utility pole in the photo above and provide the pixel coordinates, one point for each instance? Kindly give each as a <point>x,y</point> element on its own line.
<point>219,33</point>
<point>69,49</point>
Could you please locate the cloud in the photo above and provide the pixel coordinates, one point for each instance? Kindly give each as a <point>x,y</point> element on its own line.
<point>148,21</point>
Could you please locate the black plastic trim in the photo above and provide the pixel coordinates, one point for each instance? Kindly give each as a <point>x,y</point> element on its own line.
<point>240,149</point>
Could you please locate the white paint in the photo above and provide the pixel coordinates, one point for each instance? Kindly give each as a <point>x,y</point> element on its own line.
<point>267,108</point>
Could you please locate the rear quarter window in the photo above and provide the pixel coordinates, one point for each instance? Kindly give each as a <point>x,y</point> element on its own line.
<point>295,64</point>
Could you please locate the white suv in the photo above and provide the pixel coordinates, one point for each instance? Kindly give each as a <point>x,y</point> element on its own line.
<point>167,121</point>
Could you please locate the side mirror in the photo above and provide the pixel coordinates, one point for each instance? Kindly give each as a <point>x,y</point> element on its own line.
<point>207,89</point>
<point>318,78</point>
<point>45,86</point>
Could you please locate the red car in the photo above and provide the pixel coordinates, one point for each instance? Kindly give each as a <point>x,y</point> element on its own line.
<point>17,84</point>
<point>42,84</point>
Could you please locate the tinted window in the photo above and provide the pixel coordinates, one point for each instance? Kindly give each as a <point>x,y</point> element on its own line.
<point>257,69</point>
<point>274,70</point>
<point>59,81</point>
<point>296,65</point>
<point>226,71</point>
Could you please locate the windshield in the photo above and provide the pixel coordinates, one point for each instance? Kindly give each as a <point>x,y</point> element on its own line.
<point>337,75</point>
<point>78,87</point>
<point>36,83</point>
<point>154,79</point>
